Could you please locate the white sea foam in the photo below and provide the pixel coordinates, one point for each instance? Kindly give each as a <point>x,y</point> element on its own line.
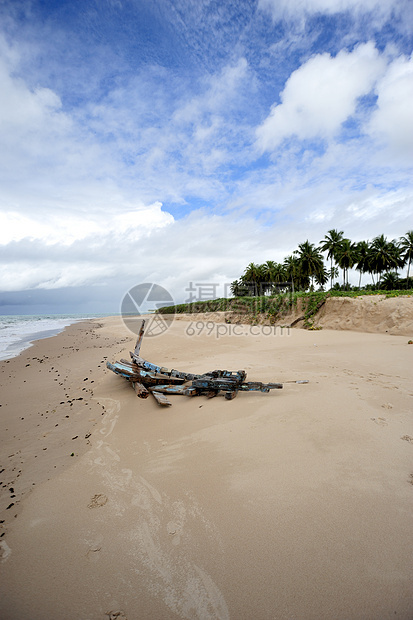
<point>17,332</point>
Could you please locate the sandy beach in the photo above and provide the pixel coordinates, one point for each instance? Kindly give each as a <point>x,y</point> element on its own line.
<point>296,504</point>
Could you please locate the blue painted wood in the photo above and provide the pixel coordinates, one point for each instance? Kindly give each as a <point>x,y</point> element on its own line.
<point>168,389</point>
<point>121,369</point>
<point>142,363</point>
<point>158,380</point>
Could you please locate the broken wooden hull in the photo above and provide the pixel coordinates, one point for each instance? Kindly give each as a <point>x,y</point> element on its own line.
<point>148,378</point>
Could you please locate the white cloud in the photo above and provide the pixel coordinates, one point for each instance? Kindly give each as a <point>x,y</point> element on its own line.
<point>205,248</point>
<point>82,184</point>
<point>152,135</point>
<point>320,95</point>
<point>45,153</point>
<point>128,223</point>
<point>195,248</point>
<point>23,110</point>
<point>391,206</point>
<point>46,274</point>
<point>220,91</point>
<point>294,8</point>
<point>392,121</point>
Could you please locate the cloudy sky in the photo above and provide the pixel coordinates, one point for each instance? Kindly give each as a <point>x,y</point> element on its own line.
<point>176,141</point>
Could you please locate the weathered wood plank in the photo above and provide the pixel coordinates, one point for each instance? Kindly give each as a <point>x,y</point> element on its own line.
<point>168,389</point>
<point>128,363</point>
<point>121,369</point>
<point>161,399</point>
<point>231,395</point>
<point>140,338</point>
<point>142,363</point>
<point>140,389</point>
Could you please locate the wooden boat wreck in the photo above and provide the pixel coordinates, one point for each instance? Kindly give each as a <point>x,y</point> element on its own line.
<point>147,378</point>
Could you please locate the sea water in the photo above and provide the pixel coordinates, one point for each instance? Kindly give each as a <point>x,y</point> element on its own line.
<point>17,332</point>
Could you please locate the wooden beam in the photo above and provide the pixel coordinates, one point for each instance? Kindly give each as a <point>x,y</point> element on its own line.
<point>161,399</point>
<point>140,389</point>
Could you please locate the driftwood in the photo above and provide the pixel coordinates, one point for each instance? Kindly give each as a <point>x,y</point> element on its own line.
<point>147,378</point>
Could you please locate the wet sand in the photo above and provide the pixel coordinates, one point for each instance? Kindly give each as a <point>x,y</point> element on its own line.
<point>292,504</point>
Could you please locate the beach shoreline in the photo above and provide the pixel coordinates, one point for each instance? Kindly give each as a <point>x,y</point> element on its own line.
<point>19,332</point>
<point>295,503</point>
<point>44,390</point>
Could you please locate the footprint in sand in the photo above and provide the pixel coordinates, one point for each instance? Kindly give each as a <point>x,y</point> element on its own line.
<point>93,553</point>
<point>97,501</point>
<point>379,421</point>
<point>116,615</point>
<point>407,438</point>
<point>175,531</point>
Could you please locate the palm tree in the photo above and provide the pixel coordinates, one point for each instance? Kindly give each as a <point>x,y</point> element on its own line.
<point>310,260</point>
<point>384,255</point>
<point>346,257</point>
<point>253,274</point>
<point>269,270</point>
<point>390,281</point>
<point>292,271</point>
<point>363,258</point>
<point>279,274</point>
<point>332,273</point>
<point>322,277</point>
<point>406,246</point>
<point>330,244</point>
<point>239,288</point>
<point>273,273</point>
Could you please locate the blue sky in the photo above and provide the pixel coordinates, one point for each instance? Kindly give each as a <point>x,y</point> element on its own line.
<point>176,141</point>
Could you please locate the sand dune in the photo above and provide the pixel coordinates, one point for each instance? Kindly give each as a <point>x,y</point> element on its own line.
<point>372,314</point>
<point>292,504</point>
<point>375,314</point>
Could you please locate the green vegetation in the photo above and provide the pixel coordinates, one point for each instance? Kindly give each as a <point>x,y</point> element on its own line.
<point>276,306</point>
<point>271,290</point>
<point>305,268</point>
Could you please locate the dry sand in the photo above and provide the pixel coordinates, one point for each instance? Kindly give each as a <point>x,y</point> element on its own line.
<point>295,504</point>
